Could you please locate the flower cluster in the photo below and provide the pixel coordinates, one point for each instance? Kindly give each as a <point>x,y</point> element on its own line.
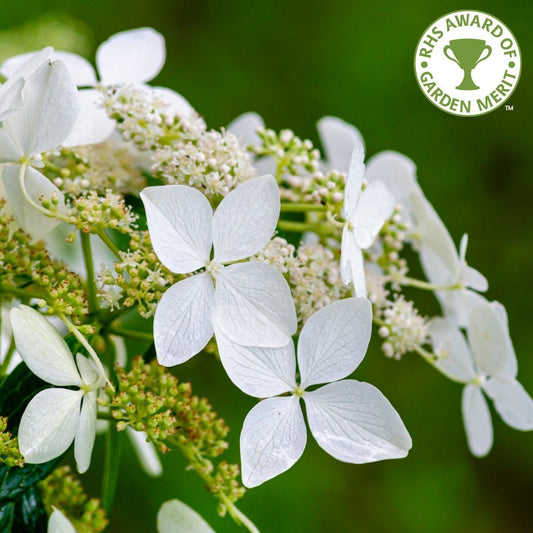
<point>62,490</point>
<point>180,223</point>
<point>312,271</point>
<point>9,449</point>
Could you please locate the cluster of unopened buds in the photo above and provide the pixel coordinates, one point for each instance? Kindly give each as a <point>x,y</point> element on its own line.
<point>246,239</point>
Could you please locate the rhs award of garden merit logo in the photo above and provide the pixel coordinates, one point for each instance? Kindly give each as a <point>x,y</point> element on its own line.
<point>467,63</point>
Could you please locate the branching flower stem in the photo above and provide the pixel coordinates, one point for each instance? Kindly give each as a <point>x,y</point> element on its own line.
<point>289,207</point>
<point>83,341</point>
<point>40,208</point>
<point>198,464</point>
<point>424,285</point>
<point>429,357</point>
<point>89,267</point>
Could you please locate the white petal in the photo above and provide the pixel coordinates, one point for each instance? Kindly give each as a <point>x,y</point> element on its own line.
<point>42,347</point>
<point>93,125</point>
<point>177,104</point>
<point>458,304</point>
<point>512,402</point>
<point>246,219</point>
<point>260,372</point>
<point>11,97</point>
<point>398,173</point>
<point>182,323</point>
<point>352,264</point>
<point>10,151</point>
<point>354,181</point>
<point>334,341</point>
<point>81,71</point>
<point>87,370</point>
<point>49,424</point>
<point>245,127</point>
<point>474,279</point>
<point>179,220</point>
<point>145,452</point>
<point>449,343</point>
<point>437,251</point>
<point>132,56</point>
<point>176,517</point>
<point>254,306</point>
<point>49,113</point>
<point>355,423</point>
<point>24,65</point>
<point>477,422</point>
<point>374,208</point>
<point>59,523</point>
<point>84,439</point>
<point>273,438</point>
<point>338,139</point>
<point>491,345</point>
<point>37,185</point>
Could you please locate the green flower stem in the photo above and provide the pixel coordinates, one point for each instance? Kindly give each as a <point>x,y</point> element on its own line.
<point>83,341</point>
<point>429,357</point>
<point>112,454</point>
<point>198,463</point>
<point>289,207</point>
<point>7,358</point>
<point>40,208</point>
<point>419,284</point>
<point>89,266</point>
<point>299,227</point>
<point>333,221</point>
<point>108,242</point>
<point>432,359</point>
<point>111,467</point>
<point>131,334</point>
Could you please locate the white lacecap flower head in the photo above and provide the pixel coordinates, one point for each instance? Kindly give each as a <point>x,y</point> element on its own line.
<point>444,266</point>
<point>250,302</point>
<point>365,213</point>
<point>55,416</point>
<point>48,115</point>
<point>486,364</point>
<point>339,140</point>
<point>331,345</point>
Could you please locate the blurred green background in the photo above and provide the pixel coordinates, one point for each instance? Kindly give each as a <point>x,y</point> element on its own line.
<point>293,62</point>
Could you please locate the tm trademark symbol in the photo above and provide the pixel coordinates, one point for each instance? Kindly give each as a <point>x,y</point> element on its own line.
<point>509,108</point>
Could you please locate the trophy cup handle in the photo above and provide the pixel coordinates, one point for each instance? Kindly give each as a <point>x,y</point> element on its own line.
<point>487,47</point>
<point>448,47</point>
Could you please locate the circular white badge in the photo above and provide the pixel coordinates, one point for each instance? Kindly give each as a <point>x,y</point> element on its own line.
<point>467,63</point>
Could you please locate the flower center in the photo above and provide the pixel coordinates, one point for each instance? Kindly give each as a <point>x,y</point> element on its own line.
<point>213,268</point>
<point>298,391</point>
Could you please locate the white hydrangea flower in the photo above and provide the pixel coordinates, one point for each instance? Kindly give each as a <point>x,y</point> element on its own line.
<point>131,57</point>
<point>49,113</point>
<point>56,416</point>
<point>443,266</point>
<point>249,302</point>
<point>365,213</point>
<point>339,140</point>
<point>398,173</point>
<point>485,364</point>
<point>59,523</point>
<point>176,517</point>
<point>350,420</point>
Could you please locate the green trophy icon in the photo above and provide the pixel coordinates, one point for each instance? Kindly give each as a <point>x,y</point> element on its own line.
<point>467,54</point>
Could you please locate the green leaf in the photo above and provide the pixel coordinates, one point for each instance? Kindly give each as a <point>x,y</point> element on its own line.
<point>16,391</point>
<point>30,516</point>
<point>15,481</point>
<point>7,516</point>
